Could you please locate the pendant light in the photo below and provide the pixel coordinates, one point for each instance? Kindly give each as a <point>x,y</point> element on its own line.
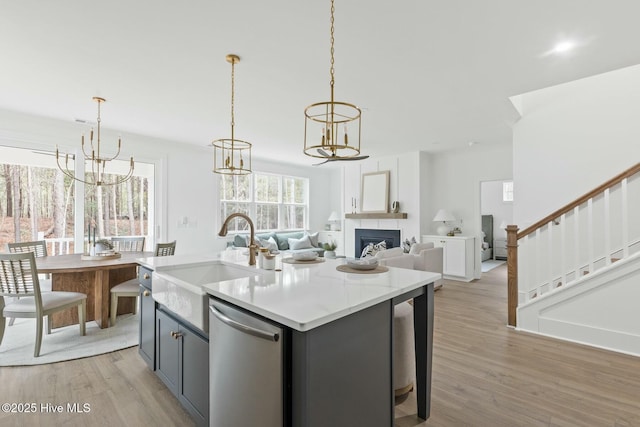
<point>232,156</point>
<point>332,129</point>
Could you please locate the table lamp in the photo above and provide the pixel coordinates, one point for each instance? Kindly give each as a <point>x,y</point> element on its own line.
<point>334,220</point>
<point>444,216</point>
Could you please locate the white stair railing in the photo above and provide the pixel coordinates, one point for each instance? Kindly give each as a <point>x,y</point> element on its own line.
<point>586,235</point>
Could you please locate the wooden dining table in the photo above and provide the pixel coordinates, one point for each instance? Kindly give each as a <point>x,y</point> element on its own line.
<point>94,278</point>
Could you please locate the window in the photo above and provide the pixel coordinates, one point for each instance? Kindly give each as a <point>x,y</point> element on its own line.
<point>122,209</point>
<point>507,191</point>
<point>274,202</point>
<point>37,201</point>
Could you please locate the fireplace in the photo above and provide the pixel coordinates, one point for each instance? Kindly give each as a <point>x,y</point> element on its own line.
<point>364,236</point>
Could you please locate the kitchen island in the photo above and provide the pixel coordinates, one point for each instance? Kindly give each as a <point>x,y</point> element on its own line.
<point>337,334</point>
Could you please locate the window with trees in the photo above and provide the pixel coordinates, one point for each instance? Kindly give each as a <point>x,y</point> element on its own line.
<point>37,202</point>
<point>274,202</point>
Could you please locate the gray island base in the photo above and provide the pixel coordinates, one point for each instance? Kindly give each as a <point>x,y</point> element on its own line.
<point>339,373</point>
<point>342,372</point>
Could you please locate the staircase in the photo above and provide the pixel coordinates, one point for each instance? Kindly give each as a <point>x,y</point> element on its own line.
<point>575,274</point>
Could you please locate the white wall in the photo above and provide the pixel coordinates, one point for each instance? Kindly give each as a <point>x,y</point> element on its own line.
<point>453,180</point>
<point>571,138</point>
<point>185,169</point>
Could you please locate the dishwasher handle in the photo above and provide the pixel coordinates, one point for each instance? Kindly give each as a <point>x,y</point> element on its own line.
<point>244,328</point>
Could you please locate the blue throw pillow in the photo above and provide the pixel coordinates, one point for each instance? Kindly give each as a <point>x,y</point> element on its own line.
<point>283,239</point>
<point>240,241</point>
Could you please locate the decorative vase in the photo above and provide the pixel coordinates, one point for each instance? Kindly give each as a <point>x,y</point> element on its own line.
<point>329,254</point>
<point>101,248</point>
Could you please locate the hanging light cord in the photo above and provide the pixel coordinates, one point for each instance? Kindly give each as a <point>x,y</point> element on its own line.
<point>233,79</point>
<point>332,70</point>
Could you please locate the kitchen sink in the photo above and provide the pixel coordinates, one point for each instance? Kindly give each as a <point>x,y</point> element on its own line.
<point>179,287</point>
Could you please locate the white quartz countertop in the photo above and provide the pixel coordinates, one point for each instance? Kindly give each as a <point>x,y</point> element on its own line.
<point>301,296</point>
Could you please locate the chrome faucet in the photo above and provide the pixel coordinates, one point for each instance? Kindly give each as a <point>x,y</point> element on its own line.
<point>252,243</point>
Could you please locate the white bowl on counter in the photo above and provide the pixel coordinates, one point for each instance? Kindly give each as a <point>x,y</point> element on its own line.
<point>304,256</point>
<point>363,263</point>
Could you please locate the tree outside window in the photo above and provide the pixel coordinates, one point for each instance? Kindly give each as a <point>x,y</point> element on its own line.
<point>274,202</point>
<point>37,202</point>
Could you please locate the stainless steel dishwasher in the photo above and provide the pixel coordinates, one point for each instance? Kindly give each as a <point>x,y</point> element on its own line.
<point>245,369</point>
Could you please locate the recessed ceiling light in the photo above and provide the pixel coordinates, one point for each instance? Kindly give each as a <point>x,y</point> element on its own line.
<point>563,47</point>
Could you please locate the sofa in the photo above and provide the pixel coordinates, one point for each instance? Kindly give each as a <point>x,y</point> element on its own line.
<point>421,256</point>
<point>290,241</point>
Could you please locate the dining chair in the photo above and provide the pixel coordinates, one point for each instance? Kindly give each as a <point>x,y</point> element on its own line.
<point>131,288</point>
<point>128,244</point>
<point>39,248</point>
<point>19,278</point>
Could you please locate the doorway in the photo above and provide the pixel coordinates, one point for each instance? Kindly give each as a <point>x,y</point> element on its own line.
<point>496,209</point>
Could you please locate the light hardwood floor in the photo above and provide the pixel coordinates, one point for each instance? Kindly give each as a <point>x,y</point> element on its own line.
<point>484,374</point>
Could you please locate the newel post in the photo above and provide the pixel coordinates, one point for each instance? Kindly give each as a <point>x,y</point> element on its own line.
<point>512,273</point>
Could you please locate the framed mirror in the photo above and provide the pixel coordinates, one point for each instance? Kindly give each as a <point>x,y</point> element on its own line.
<point>374,195</point>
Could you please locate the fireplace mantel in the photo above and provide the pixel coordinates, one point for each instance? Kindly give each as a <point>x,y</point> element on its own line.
<point>378,215</point>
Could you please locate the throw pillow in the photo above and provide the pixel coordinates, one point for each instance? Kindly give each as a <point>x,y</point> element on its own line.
<point>269,244</point>
<point>303,243</point>
<point>313,238</point>
<point>283,239</point>
<point>240,241</point>
<point>371,249</point>
<point>406,245</point>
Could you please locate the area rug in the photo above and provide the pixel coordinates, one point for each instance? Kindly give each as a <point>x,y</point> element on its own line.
<point>65,343</point>
<point>491,264</point>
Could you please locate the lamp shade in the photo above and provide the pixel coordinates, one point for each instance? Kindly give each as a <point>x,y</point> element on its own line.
<point>444,215</point>
<point>334,216</point>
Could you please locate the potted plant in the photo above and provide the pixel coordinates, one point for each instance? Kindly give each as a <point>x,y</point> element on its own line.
<point>330,249</point>
<point>103,245</point>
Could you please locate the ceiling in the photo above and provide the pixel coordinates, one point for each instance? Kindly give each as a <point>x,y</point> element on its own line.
<point>429,75</point>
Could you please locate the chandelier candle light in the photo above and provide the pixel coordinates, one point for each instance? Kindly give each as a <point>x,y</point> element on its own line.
<point>232,156</point>
<point>98,163</point>
<point>325,129</point>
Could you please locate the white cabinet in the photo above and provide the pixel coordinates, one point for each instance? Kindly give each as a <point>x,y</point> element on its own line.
<point>459,255</point>
<point>333,236</point>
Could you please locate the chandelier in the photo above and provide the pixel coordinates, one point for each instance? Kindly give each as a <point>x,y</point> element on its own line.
<point>98,162</point>
<point>325,127</point>
<point>232,156</point>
